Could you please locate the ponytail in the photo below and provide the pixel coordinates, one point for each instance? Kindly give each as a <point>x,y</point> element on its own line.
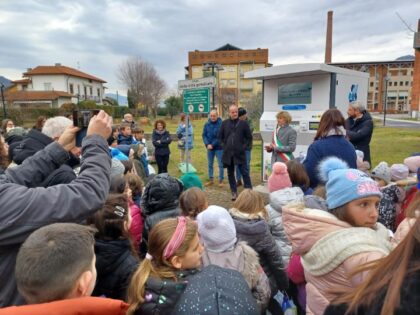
<point>135,292</point>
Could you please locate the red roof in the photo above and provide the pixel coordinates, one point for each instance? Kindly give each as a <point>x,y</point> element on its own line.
<point>61,70</point>
<point>22,81</point>
<point>35,95</point>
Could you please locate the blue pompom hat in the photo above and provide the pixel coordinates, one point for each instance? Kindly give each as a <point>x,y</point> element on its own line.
<point>344,184</point>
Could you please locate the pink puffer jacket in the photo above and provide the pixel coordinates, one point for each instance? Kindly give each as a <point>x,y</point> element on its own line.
<point>136,228</point>
<point>330,250</point>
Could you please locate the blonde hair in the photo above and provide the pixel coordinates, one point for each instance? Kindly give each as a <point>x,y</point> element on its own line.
<point>158,267</point>
<point>192,202</point>
<point>283,114</point>
<point>250,202</point>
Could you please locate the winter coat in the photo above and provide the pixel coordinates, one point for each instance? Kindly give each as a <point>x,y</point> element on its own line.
<point>244,259</point>
<point>330,250</point>
<point>359,132</point>
<point>127,140</point>
<point>255,231</point>
<point>251,127</point>
<point>391,195</point>
<point>234,135</point>
<point>279,199</point>
<point>211,132</point>
<point>161,295</point>
<point>136,228</point>
<point>114,265</point>
<point>87,305</point>
<point>25,209</point>
<point>159,201</point>
<point>403,229</point>
<point>409,300</point>
<point>216,290</point>
<point>162,147</point>
<point>287,136</point>
<point>320,149</point>
<point>181,132</point>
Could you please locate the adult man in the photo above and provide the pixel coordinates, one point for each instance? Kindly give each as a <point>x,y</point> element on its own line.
<point>235,135</point>
<point>243,115</point>
<point>128,119</point>
<point>213,146</point>
<point>25,209</point>
<point>359,126</point>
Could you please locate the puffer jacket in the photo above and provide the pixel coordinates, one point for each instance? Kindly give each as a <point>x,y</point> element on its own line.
<point>33,142</point>
<point>136,228</point>
<point>279,199</point>
<point>181,133</point>
<point>403,229</point>
<point>330,250</point>
<point>210,133</point>
<point>159,201</point>
<point>245,260</point>
<point>114,264</point>
<point>255,231</point>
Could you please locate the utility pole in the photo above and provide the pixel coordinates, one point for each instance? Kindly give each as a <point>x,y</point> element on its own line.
<point>386,96</point>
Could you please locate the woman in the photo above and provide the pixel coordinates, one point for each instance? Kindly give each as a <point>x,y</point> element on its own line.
<point>329,141</point>
<point>393,284</point>
<point>40,121</point>
<point>161,140</point>
<point>4,157</point>
<point>283,140</point>
<point>6,125</point>
<point>184,142</point>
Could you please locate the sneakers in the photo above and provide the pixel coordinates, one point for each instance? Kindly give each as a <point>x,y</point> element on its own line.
<point>221,183</point>
<point>234,196</point>
<point>238,183</point>
<point>209,183</point>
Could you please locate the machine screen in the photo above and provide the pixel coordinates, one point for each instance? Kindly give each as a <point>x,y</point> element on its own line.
<point>313,125</point>
<point>295,93</point>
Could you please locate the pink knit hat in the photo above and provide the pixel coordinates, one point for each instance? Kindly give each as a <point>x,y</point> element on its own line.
<point>279,178</point>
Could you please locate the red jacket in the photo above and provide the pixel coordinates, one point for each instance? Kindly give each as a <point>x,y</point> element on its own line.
<point>77,306</point>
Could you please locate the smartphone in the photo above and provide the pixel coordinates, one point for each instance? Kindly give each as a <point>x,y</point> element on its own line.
<point>81,119</point>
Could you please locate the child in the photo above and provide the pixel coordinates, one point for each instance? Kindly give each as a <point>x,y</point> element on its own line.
<point>362,165</point>
<point>56,266</point>
<point>115,256</point>
<point>249,215</point>
<point>174,254</point>
<point>281,194</point>
<point>193,201</point>
<point>138,153</point>
<point>136,185</point>
<point>332,243</point>
<point>218,234</point>
<point>125,136</point>
<point>185,143</point>
<point>391,195</point>
<point>298,176</point>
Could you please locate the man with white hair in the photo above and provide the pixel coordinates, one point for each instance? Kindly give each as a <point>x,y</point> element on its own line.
<point>128,119</point>
<point>359,126</point>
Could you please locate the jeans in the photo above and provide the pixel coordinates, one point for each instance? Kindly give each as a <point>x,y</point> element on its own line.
<point>248,161</point>
<point>231,176</point>
<point>210,160</point>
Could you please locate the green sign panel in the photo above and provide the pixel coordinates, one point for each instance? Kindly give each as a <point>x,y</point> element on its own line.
<point>196,101</point>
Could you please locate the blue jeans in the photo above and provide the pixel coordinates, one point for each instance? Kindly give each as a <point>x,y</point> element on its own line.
<point>248,160</point>
<point>210,159</point>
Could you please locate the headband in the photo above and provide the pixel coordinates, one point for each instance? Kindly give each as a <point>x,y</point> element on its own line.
<point>177,238</point>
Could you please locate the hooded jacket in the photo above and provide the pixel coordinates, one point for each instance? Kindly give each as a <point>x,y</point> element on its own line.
<point>256,233</point>
<point>114,265</point>
<point>77,306</point>
<point>159,201</point>
<point>25,208</point>
<point>181,133</point>
<point>210,133</point>
<point>279,199</point>
<point>359,131</point>
<point>244,259</point>
<point>161,142</point>
<point>330,249</point>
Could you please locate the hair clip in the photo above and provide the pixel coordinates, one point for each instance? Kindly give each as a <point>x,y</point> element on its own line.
<point>120,211</point>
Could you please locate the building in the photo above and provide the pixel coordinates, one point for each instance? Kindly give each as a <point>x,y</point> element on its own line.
<point>228,64</point>
<point>392,80</point>
<point>52,86</point>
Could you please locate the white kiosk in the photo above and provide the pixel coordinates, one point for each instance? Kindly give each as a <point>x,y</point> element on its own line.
<point>305,91</point>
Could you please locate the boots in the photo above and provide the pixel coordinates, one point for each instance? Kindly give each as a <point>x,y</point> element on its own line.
<point>209,183</point>
<point>221,183</point>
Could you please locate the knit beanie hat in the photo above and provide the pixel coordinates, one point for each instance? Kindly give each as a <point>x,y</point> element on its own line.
<point>191,180</point>
<point>279,178</point>
<point>413,163</point>
<point>344,184</point>
<point>382,171</point>
<point>217,229</point>
<point>117,167</point>
<point>399,171</point>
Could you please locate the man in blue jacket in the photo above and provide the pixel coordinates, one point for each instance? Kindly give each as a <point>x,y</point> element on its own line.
<point>213,146</point>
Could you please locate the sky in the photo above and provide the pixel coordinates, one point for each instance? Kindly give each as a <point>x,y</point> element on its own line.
<point>97,36</point>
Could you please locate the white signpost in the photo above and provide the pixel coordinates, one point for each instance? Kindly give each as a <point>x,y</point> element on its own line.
<point>197,83</point>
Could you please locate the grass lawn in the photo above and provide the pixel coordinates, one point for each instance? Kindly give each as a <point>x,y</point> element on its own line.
<point>388,144</point>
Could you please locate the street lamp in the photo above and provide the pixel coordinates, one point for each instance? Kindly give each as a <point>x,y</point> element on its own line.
<point>213,66</point>
<point>2,100</point>
<point>387,78</point>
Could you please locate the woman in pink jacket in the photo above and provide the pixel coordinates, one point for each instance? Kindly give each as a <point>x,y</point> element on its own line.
<point>331,244</point>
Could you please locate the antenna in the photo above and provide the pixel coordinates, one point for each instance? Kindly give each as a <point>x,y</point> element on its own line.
<point>405,23</point>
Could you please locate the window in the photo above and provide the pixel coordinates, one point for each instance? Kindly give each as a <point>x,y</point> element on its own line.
<point>47,86</point>
<point>406,83</point>
<point>390,83</point>
<point>90,90</point>
<point>401,83</point>
<point>99,92</point>
<point>71,88</point>
<point>371,84</point>
<point>395,83</point>
<point>85,90</point>
<point>78,89</point>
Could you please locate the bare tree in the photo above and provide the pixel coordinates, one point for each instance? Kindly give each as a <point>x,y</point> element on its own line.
<point>143,81</point>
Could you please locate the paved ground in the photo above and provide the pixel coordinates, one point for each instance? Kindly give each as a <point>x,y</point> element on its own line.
<point>397,121</point>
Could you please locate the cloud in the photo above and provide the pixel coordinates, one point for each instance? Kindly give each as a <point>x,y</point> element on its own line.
<point>97,36</point>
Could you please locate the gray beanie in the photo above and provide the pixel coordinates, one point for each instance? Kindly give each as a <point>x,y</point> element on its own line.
<point>217,229</point>
<point>117,167</point>
<point>382,171</point>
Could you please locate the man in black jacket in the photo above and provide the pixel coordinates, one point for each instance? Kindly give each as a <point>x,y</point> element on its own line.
<point>359,126</point>
<point>235,135</point>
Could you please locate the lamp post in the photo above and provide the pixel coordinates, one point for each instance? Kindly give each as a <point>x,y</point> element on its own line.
<point>386,96</point>
<point>2,100</point>
<point>213,66</point>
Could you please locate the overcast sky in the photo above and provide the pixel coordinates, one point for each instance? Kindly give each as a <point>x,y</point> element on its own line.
<point>96,36</point>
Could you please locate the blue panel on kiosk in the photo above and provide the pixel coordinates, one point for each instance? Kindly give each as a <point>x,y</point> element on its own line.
<point>294,107</point>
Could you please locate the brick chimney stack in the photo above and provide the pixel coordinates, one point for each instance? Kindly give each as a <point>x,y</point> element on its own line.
<point>328,41</point>
<point>415,90</point>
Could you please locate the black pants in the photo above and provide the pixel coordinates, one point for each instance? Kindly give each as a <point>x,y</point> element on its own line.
<point>232,179</point>
<point>162,162</point>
